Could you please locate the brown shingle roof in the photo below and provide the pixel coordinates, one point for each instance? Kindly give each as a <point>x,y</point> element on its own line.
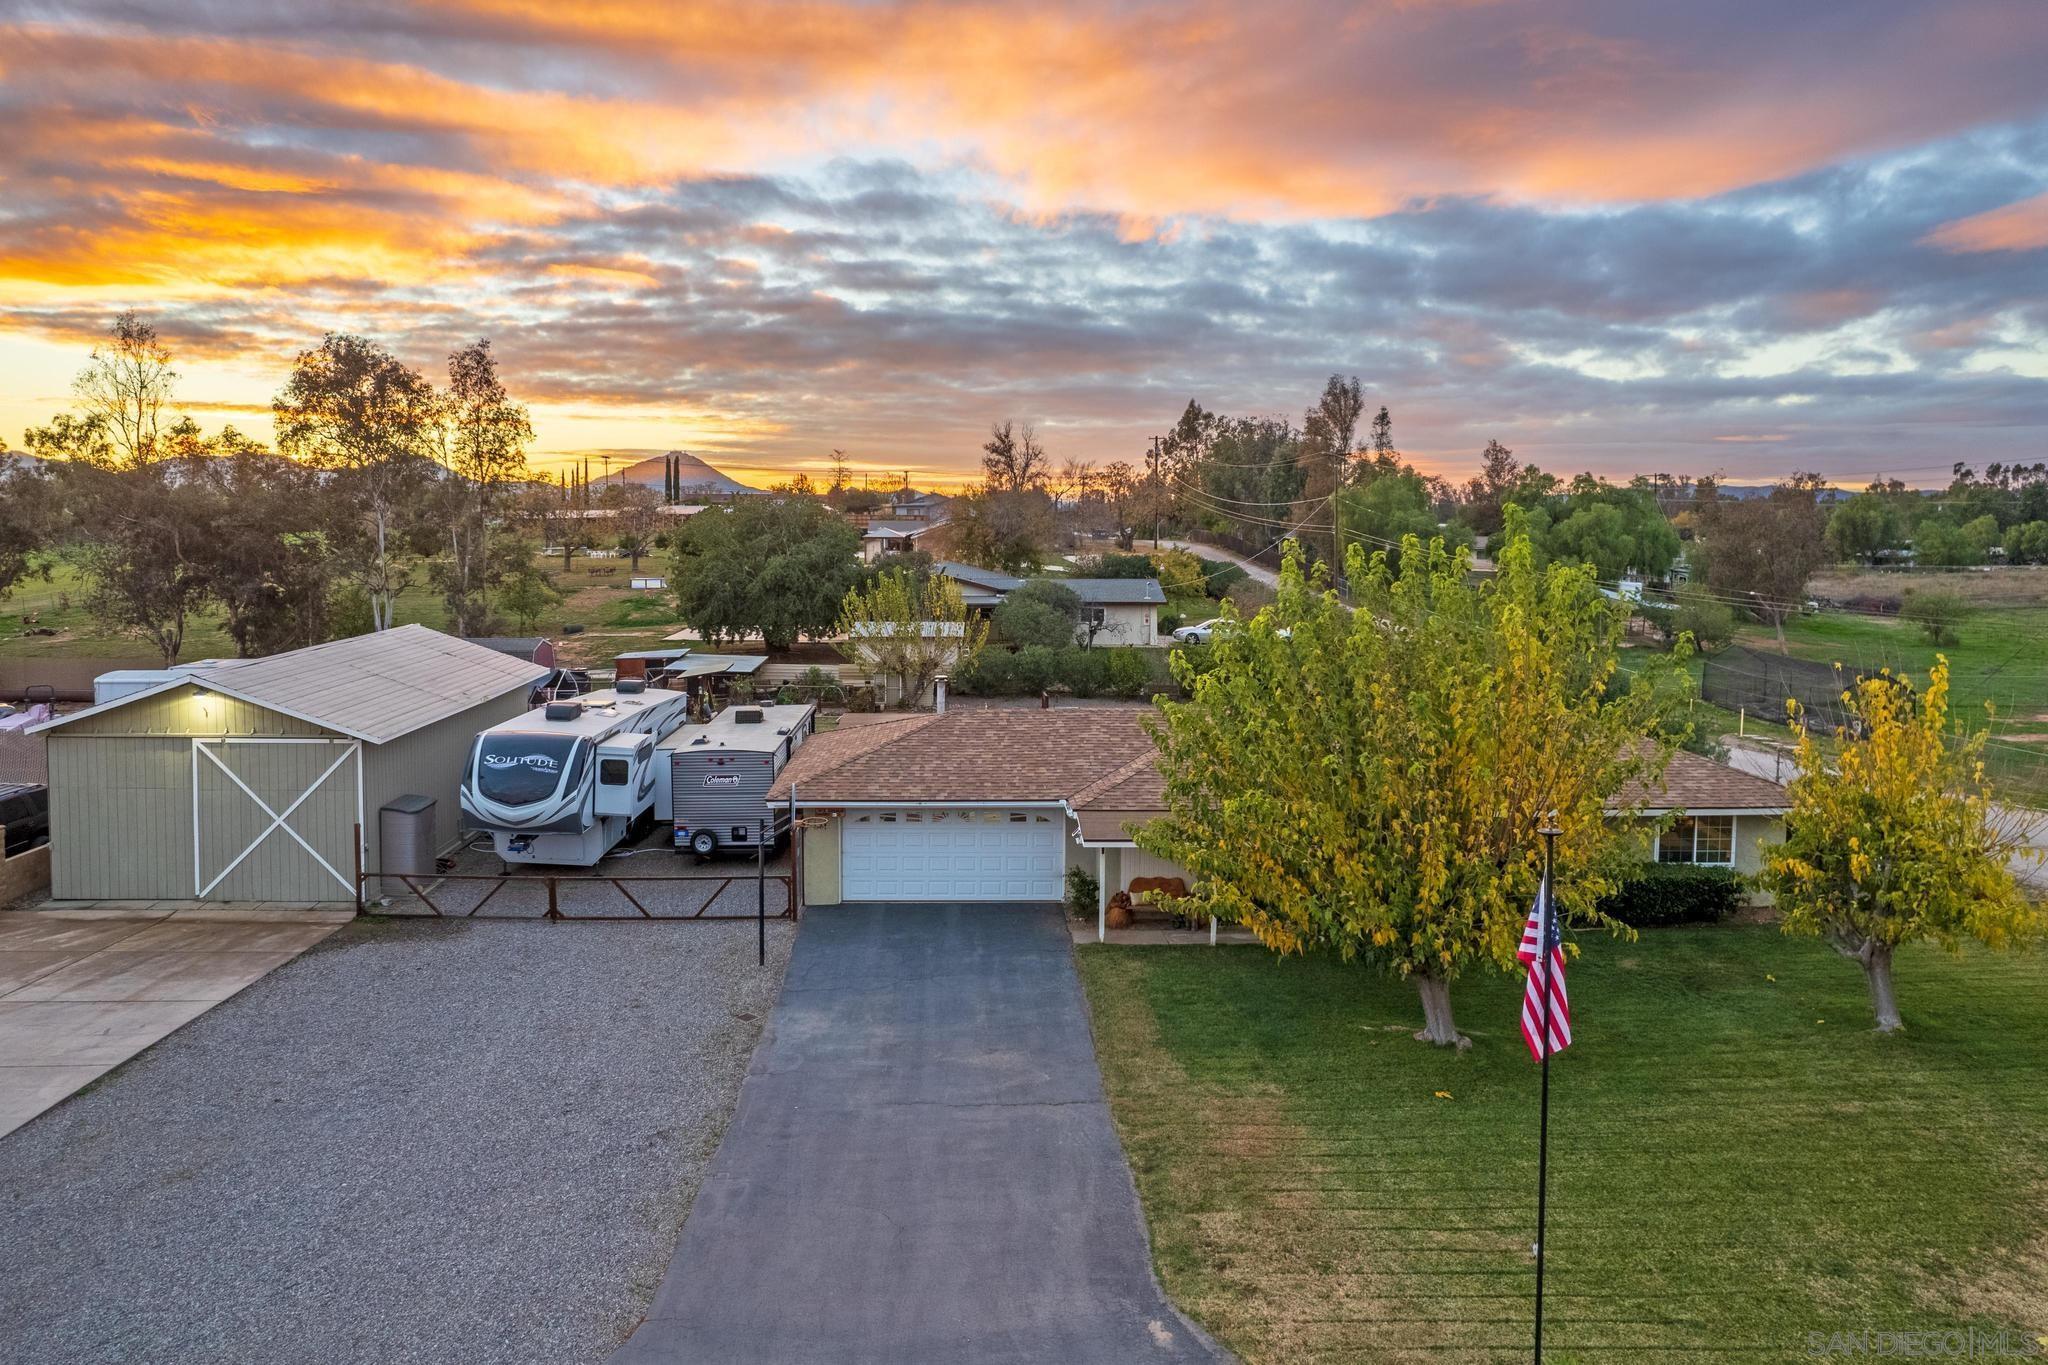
<point>1018,754</point>
<point>1696,783</point>
<point>1102,763</point>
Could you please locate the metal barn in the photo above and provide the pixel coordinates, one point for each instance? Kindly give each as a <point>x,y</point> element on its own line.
<point>248,779</point>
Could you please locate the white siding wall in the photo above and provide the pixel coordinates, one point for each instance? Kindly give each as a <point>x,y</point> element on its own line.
<point>1128,625</point>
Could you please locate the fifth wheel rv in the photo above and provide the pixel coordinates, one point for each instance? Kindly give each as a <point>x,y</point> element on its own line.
<point>567,781</point>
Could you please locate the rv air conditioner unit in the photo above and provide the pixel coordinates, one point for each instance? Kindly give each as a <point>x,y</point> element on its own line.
<point>630,687</point>
<point>564,710</point>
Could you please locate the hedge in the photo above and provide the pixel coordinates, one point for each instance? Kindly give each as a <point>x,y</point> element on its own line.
<point>1121,672</point>
<point>1676,893</point>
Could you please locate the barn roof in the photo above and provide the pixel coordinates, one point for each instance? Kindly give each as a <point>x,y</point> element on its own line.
<point>375,688</point>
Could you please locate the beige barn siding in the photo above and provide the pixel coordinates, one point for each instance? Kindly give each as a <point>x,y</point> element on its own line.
<point>428,762</point>
<point>277,868</point>
<point>120,818</point>
<point>821,864</point>
<point>188,711</point>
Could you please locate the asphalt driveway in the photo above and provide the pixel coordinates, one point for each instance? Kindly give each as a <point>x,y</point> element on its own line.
<point>922,1166</point>
<point>419,1142</point>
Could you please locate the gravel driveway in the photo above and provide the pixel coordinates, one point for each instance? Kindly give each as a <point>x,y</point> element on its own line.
<point>419,1141</point>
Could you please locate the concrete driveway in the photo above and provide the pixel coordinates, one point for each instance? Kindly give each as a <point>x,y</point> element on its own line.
<point>922,1167</point>
<point>83,990</point>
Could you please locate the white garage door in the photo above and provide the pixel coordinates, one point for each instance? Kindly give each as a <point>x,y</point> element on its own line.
<point>952,855</point>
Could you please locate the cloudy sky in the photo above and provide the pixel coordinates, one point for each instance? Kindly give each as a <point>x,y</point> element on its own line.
<point>1745,236</point>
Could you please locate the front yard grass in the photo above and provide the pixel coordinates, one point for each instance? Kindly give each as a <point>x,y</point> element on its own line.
<point>1736,1161</point>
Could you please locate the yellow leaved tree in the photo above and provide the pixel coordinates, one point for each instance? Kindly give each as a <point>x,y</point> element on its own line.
<point>1896,839</point>
<point>1369,779</point>
<point>909,627</point>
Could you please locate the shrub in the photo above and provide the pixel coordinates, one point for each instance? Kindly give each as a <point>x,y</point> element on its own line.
<point>1082,892</point>
<point>1711,623</point>
<point>1250,597</point>
<point>1085,671</point>
<point>1939,613</point>
<point>1035,668</point>
<point>1169,622</point>
<point>1042,612</point>
<point>1128,672</point>
<point>1118,566</point>
<point>1220,575</point>
<point>1180,573</point>
<point>1676,893</point>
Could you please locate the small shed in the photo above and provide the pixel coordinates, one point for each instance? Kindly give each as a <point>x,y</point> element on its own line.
<point>251,779</point>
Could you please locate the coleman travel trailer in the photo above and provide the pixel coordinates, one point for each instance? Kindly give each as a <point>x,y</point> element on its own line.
<point>716,776</point>
<point>567,781</point>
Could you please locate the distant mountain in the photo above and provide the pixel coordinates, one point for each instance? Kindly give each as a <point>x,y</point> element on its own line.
<point>698,477</point>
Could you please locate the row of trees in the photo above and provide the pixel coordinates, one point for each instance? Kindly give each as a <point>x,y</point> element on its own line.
<point>2001,514</point>
<point>1368,779</point>
<point>378,478</point>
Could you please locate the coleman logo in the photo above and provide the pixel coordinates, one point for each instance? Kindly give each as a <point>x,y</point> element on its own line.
<point>538,761</point>
<point>722,780</point>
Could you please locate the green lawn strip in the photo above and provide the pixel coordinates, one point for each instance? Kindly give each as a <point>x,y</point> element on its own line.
<point>1736,1161</point>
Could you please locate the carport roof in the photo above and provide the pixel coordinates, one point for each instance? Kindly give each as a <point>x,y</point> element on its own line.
<point>980,754</point>
<point>375,688</point>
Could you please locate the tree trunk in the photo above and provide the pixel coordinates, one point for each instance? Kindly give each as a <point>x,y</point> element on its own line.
<point>1778,620</point>
<point>1877,970</point>
<point>1437,1025</point>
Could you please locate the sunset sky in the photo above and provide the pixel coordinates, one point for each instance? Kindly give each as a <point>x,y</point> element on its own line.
<point>1744,236</point>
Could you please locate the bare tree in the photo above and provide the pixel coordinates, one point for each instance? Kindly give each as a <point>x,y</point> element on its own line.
<point>636,518</point>
<point>126,385</point>
<point>1328,431</point>
<point>1013,460</point>
<point>1123,500</point>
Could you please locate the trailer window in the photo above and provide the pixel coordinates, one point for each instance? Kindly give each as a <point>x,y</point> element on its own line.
<point>518,770</point>
<point>612,772</point>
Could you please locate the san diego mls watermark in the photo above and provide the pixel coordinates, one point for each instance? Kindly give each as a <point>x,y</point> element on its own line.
<point>1942,1343</point>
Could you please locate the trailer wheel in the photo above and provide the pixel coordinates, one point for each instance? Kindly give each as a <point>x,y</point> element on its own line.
<point>703,843</point>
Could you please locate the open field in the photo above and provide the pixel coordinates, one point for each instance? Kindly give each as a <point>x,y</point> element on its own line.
<point>2001,659</point>
<point>595,592</point>
<point>1736,1161</point>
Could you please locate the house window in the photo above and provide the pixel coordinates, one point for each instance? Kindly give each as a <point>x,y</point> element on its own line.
<point>1708,839</point>
<point>1095,616</point>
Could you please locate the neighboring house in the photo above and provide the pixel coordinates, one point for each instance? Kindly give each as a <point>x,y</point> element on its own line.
<point>1727,817</point>
<point>996,804</point>
<point>909,506</point>
<point>1121,611</point>
<point>881,538</point>
<point>265,779</point>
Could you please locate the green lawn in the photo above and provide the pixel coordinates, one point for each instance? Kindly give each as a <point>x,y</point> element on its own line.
<point>1736,1161</point>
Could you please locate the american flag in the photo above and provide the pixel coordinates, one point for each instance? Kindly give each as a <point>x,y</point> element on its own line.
<point>1546,974</point>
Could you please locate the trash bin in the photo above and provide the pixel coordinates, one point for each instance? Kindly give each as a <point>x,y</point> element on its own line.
<point>405,839</point>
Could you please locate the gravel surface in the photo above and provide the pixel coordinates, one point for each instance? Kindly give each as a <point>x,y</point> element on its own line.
<point>419,1141</point>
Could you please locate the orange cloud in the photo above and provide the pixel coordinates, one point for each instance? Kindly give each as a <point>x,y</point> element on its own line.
<point>2016,227</point>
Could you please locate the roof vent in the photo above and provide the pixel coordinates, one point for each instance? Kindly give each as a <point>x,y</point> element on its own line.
<point>563,710</point>
<point>747,715</point>
<point>627,687</point>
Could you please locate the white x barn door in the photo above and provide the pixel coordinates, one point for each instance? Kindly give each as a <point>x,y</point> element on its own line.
<point>274,819</point>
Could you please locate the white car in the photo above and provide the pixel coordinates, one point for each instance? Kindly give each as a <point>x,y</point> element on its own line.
<point>1197,634</point>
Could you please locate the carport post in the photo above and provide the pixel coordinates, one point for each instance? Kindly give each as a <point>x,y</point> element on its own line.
<point>761,892</point>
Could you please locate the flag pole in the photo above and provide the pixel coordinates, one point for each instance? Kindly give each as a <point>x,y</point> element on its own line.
<point>1549,834</point>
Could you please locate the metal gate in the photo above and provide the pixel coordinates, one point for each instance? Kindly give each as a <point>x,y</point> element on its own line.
<point>574,896</point>
<point>275,819</point>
